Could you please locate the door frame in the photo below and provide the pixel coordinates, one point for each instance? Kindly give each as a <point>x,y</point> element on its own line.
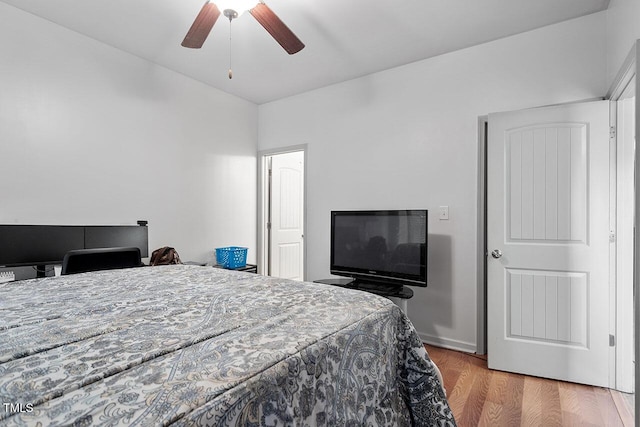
<point>263,205</point>
<point>622,370</point>
<point>636,269</point>
<point>481,334</point>
<point>624,367</point>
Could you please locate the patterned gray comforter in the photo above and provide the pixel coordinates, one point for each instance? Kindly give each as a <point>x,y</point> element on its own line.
<point>187,345</point>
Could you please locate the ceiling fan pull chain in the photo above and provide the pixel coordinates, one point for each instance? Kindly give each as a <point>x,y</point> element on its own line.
<point>230,70</point>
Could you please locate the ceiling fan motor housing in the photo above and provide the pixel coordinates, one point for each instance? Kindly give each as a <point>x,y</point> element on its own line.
<point>230,13</point>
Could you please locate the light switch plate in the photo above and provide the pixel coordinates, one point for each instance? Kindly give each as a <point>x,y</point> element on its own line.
<point>444,212</point>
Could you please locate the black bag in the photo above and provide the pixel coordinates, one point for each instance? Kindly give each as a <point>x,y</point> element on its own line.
<point>165,256</point>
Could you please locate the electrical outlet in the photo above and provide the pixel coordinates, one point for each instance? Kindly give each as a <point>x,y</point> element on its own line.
<point>7,276</point>
<point>444,212</point>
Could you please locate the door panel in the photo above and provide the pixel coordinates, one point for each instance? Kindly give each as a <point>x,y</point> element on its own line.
<point>548,214</point>
<point>289,260</point>
<point>547,306</point>
<point>547,183</point>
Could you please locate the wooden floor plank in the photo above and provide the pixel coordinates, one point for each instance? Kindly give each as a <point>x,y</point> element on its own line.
<point>482,397</point>
<point>569,405</point>
<point>503,405</point>
<point>549,398</point>
<point>607,407</point>
<point>624,405</point>
<point>584,404</point>
<point>459,393</point>
<point>477,395</point>
<point>532,402</point>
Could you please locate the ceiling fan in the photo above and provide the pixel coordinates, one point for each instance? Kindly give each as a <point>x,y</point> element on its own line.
<point>232,9</point>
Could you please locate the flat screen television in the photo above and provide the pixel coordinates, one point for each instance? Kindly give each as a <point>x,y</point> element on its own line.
<point>382,247</point>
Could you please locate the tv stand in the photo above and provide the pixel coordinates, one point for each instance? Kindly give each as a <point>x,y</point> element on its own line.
<point>385,290</point>
<point>401,292</point>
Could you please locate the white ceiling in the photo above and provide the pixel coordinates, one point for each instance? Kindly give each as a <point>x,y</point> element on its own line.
<point>344,38</point>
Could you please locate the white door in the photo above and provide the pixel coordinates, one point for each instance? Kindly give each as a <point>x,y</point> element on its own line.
<point>548,242</point>
<point>286,248</point>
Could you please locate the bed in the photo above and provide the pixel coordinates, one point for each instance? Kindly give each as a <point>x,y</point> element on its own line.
<point>191,345</point>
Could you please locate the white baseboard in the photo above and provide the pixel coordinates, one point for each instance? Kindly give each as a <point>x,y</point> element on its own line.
<point>448,343</point>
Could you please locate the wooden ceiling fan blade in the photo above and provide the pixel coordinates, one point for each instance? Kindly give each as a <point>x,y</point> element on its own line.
<point>278,29</point>
<point>202,26</point>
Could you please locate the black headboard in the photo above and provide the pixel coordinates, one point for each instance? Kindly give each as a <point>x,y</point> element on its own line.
<point>47,244</point>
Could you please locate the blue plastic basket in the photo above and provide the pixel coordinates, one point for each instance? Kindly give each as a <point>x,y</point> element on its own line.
<point>231,257</point>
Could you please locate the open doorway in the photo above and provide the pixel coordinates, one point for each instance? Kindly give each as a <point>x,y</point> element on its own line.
<point>282,213</point>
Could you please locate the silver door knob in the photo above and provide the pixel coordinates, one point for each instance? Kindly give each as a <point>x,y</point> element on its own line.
<point>496,253</point>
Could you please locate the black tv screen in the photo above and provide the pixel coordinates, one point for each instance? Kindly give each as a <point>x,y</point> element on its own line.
<point>386,246</point>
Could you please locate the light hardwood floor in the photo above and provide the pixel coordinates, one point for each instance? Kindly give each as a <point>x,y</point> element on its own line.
<point>482,397</point>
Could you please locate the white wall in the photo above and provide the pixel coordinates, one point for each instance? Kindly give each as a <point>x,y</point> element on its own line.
<point>92,135</point>
<point>623,29</point>
<point>407,138</point>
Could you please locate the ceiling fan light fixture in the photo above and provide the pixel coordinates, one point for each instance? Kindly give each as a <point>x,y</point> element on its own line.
<point>238,6</point>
